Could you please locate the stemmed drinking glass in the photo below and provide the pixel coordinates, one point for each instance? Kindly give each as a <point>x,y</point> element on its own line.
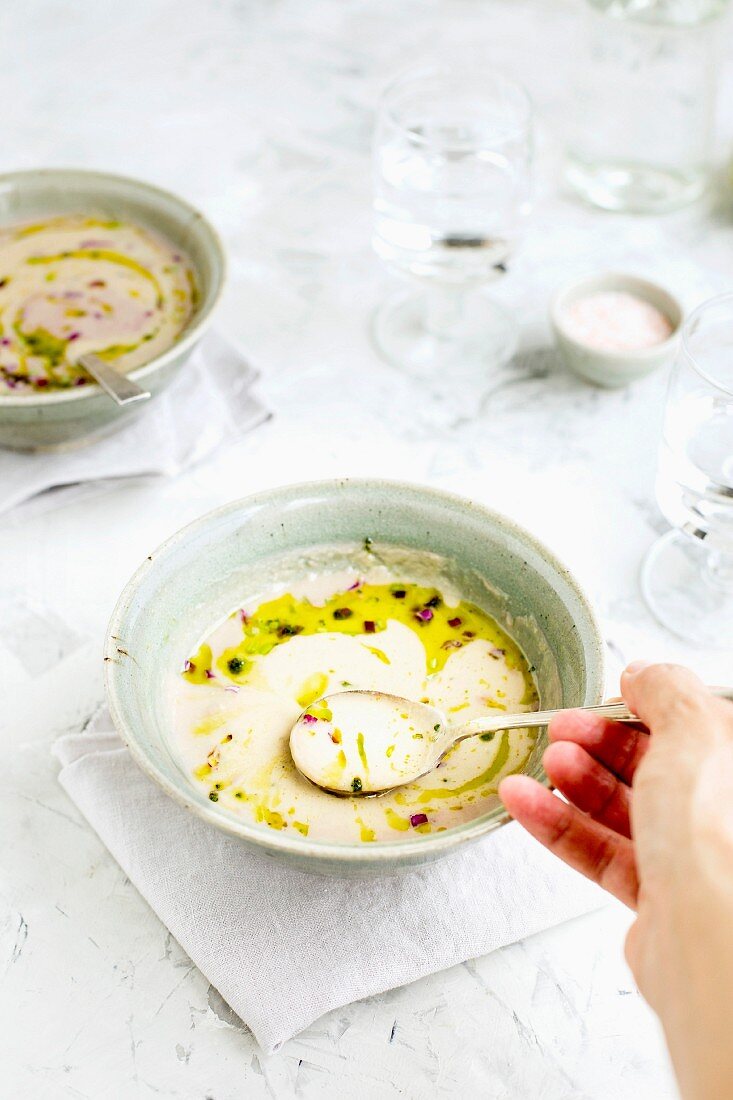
<point>452,158</point>
<point>687,577</point>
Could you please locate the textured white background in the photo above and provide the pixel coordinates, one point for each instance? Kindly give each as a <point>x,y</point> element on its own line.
<point>260,112</point>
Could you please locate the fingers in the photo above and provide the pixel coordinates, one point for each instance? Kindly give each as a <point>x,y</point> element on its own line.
<point>666,697</point>
<point>589,847</point>
<point>618,746</point>
<point>588,785</point>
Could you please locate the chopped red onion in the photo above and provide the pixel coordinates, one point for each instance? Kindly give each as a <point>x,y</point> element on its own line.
<point>243,616</point>
<point>209,674</point>
<point>497,653</point>
<point>73,336</point>
<point>454,622</point>
<point>418,819</point>
<point>189,666</point>
<point>352,587</point>
<point>309,719</point>
<point>424,615</point>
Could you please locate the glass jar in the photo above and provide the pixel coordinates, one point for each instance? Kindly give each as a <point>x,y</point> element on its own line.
<point>640,128</point>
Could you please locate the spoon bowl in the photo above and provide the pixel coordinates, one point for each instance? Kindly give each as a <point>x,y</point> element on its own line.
<point>367,742</point>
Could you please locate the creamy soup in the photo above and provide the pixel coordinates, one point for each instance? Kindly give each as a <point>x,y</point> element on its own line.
<point>76,284</point>
<point>238,695</point>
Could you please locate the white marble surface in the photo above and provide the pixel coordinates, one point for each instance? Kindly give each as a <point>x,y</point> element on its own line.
<point>260,112</point>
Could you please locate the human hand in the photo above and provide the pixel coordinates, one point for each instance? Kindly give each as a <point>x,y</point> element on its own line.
<point>650,818</point>
<point>592,761</point>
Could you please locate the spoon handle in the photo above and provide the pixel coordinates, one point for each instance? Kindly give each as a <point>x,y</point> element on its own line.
<point>618,711</point>
<point>119,387</point>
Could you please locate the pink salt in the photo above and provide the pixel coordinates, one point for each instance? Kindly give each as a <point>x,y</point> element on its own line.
<point>614,320</point>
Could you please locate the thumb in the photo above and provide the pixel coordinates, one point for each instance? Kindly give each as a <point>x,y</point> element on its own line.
<point>663,696</point>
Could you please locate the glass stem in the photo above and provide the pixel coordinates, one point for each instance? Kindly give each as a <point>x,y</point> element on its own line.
<point>445,311</point>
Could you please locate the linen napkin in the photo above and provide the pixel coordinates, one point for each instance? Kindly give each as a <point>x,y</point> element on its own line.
<point>283,947</point>
<point>208,403</point>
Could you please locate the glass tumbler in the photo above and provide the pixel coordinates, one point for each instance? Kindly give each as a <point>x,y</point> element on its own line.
<point>452,156</point>
<point>640,125</point>
<point>687,578</point>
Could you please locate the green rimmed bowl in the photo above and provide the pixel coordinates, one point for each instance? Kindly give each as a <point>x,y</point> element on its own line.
<point>66,418</point>
<point>201,573</point>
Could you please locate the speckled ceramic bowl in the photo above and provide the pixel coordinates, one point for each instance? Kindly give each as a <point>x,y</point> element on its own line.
<point>66,418</point>
<point>201,573</point>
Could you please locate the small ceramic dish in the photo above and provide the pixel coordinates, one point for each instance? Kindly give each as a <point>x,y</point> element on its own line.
<point>612,369</point>
<point>196,578</point>
<point>59,419</point>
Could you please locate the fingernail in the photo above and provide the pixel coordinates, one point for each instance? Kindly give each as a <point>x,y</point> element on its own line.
<point>636,667</point>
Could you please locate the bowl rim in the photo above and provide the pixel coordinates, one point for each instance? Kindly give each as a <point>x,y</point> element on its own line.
<point>384,852</point>
<point>201,318</point>
<point>626,356</point>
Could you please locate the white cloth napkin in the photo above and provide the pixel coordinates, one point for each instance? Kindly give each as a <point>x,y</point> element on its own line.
<point>284,947</point>
<point>208,403</point>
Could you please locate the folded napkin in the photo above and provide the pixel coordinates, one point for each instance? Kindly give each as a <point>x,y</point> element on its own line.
<point>208,403</point>
<point>283,947</point>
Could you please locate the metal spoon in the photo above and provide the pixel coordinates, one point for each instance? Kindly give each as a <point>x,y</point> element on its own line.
<point>121,388</point>
<point>368,742</point>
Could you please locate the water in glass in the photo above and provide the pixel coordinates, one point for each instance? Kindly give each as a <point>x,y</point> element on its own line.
<point>640,125</point>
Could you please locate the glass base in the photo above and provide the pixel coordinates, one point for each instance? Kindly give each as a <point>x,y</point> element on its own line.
<point>406,332</point>
<point>636,188</point>
<point>678,587</point>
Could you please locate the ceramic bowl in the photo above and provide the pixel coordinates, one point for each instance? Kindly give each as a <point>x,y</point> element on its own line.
<point>201,573</point>
<point>60,419</point>
<point>612,369</point>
